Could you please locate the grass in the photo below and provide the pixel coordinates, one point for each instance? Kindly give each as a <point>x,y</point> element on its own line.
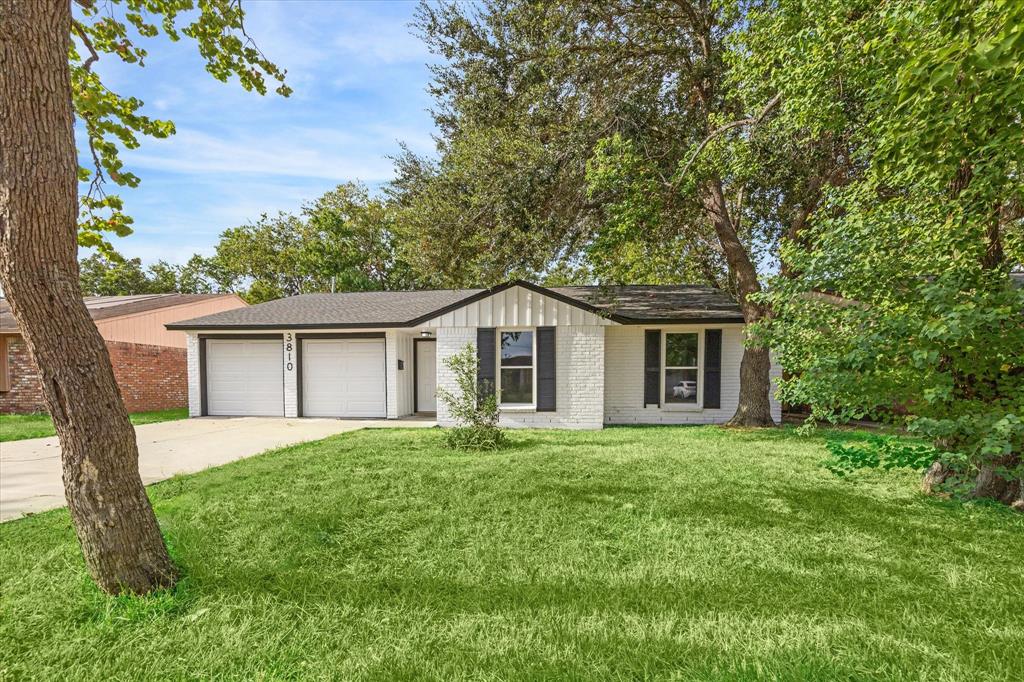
<point>22,426</point>
<point>683,553</point>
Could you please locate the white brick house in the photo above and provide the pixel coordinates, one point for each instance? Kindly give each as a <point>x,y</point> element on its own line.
<point>569,357</point>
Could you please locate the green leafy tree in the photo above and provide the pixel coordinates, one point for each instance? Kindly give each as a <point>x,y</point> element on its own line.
<point>620,136</point>
<point>113,122</point>
<point>108,273</point>
<point>47,80</point>
<point>112,275</point>
<point>901,295</point>
<point>345,240</point>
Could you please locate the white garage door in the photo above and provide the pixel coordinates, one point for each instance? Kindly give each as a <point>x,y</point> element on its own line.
<point>244,378</point>
<point>343,378</point>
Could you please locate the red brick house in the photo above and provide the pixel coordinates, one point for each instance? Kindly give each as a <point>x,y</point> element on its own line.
<point>149,361</point>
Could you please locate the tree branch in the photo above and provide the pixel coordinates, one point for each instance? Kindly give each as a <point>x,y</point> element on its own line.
<point>752,121</point>
<point>93,55</point>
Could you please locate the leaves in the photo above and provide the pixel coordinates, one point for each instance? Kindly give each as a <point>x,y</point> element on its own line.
<point>114,122</point>
<point>898,305</point>
<point>879,452</point>
<point>474,407</point>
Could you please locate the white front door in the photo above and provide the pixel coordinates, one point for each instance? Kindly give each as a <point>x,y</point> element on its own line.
<point>426,376</point>
<point>244,377</point>
<point>343,378</point>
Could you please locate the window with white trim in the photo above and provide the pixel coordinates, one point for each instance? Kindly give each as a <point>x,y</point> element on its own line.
<point>681,368</point>
<point>515,367</point>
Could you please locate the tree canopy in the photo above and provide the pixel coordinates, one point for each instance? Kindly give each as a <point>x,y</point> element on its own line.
<point>345,240</point>
<point>900,294</point>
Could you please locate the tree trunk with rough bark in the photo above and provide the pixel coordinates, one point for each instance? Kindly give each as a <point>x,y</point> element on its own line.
<point>120,539</point>
<point>754,408</point>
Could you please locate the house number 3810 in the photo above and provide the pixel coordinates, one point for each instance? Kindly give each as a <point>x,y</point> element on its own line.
<point>288,344</point>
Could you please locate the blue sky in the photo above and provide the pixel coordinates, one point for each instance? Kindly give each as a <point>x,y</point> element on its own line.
<point>360,80</point>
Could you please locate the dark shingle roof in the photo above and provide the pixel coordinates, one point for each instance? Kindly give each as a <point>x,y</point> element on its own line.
<point>355,309</point>
<point>106,307</point>
<point>637,304</point>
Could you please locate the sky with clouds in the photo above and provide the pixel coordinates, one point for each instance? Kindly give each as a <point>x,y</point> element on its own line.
<point>359,76</point>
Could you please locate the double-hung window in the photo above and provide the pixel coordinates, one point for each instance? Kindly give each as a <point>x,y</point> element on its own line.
<point>515,367</point>
<point>681,367</point>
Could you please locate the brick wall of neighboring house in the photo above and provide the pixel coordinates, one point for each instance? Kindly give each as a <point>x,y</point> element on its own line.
<point>24,394</point>
<point>150,377</point>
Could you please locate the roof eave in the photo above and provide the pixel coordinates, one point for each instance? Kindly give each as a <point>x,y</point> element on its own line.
<point>177,326</point>
<point>712,319</point>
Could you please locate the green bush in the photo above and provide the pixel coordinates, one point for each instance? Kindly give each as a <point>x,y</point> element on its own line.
<point>475,438</point>
<point>474,407</point>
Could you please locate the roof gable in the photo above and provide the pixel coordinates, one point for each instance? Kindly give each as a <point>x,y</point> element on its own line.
<point>519,304</point>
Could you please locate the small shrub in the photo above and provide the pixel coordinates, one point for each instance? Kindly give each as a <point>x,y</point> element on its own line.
<point>475,438</point>
<point>474,407</point>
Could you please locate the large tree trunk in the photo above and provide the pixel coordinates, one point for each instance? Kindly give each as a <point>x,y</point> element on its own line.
<point>116,527</point>
<point>754,408</point>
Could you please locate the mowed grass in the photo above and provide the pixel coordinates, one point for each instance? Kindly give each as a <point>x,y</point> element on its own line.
<point>683,553</point>
<point>22,426</point>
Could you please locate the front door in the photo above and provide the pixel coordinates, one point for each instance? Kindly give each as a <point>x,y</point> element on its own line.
<point>426,376</point>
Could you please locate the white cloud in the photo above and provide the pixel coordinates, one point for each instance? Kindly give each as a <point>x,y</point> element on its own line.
<point>359,80</point>
<point>383,42</point>
<point>291,152</point>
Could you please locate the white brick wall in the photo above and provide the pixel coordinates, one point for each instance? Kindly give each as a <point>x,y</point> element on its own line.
<point>195,408</point>
<point>450,340</point>
<point>624,377</point>
<point>579,378</point>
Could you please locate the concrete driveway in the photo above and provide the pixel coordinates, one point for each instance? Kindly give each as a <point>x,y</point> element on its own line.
<point>30,471</point>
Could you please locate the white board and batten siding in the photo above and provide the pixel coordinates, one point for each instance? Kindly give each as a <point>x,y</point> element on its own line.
<point>518,307</point>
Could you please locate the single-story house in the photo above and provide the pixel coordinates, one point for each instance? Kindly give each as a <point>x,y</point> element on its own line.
<point>149,361</point>
<point>571,357</point>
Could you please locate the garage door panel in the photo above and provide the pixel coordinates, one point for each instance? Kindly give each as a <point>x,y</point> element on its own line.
<point>343,378</point>
<point>244,378</point>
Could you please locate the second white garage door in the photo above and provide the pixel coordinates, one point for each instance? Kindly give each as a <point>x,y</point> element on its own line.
<point>343,378</point>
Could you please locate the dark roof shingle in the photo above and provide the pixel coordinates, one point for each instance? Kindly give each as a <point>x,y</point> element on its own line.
<point>634,304</point>
<point>354,309</point>
<point>639,303</point>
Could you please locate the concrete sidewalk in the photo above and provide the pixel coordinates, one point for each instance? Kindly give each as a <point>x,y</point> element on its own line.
<point>30,470</point>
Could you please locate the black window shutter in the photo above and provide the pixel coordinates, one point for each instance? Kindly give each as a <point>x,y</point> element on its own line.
<point>652,367</point>
<point>545,369</point>
<point>712,368</point>
<point>486,361</point>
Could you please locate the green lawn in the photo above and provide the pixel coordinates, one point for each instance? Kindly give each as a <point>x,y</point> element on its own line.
<point>684,553</point>
<point>22,426</point>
